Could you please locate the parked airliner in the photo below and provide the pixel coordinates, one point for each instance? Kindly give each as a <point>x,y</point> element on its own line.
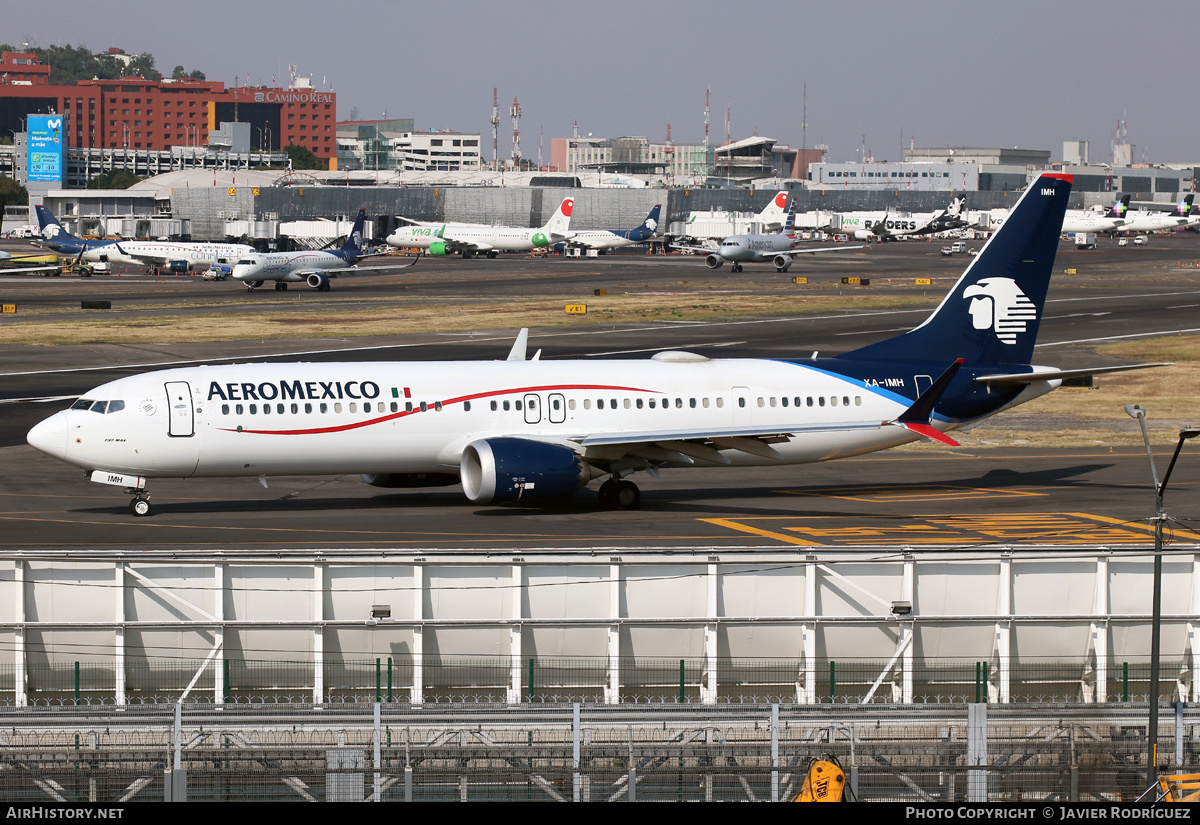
<point>314,267</point>
<point>605,239</point>
<point>174,256</point>
<point>534,431</point>
<point>1146,220</point>
<point>468,239</point>
<point>779,248</point>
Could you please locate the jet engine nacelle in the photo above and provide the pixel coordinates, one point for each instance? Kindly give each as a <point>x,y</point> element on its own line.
<point>782,262</point>
<point>177,267</point>
<point>864,235</point>
<point>403,480</point>
<point>318,280</point>
<point>500,470</point>
<point>438,248</point>
<point>714,261</point>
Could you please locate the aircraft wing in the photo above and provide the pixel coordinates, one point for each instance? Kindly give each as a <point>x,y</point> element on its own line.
<point>333,273</point>
<point>1058,375</point>
<point>707,250</point>
<point>459,244</point>
<point>800,249</point>
<point>4,270</point>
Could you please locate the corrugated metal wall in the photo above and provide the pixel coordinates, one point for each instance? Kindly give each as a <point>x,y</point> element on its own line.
<point>208,207</point>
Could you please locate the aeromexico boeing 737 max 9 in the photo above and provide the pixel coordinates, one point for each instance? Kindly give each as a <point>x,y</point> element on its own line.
<point>534,430</point>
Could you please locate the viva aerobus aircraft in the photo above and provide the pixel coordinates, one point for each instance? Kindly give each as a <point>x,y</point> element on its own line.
<point>172,256</point>
<point>314,267</point>
<point>468,239</point>
<point>534,431</point>
<point>780,249</point>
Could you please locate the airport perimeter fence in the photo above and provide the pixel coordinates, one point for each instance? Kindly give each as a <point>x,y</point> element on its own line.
<point>584,753</point>
<point>541,680</point>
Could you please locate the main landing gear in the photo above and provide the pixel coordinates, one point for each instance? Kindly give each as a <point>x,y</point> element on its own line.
<point>140,506</point>
<point>280,286</point>
<point>619,494</point>
<point>736,267</point>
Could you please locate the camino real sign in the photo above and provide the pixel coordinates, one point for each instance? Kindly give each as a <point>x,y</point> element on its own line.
<point>47,149</point>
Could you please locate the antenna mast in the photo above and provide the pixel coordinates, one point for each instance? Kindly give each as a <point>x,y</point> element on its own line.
<point>495,129</point>
<point>515,111</point>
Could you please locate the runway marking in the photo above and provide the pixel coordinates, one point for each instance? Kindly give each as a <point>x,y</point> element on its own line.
<point>1121,337</point>
<point>948,492</point>
<point>999,528</point>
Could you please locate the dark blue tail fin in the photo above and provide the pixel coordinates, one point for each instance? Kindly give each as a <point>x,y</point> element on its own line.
<point>649,227</point>
<point>1185,206</point>
<point>991,315</point>
<point>789,223</point>
<point>54,234</point>
<point>353,245</point>
<point>1119,208</point>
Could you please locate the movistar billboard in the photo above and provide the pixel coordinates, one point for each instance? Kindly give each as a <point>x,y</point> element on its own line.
<point>47,148</point>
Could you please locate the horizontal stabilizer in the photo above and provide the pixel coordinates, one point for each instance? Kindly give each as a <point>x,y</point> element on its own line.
<point>1058,375</point>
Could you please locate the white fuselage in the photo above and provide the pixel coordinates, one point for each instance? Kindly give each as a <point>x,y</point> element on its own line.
<point>755,248</point>
<point>142,253</point>
<point>390,417</point>
<point>1145,221</point>
<point>286,266</point>
<point>502,238</point>
<point>600,239</point>
<point>1083,221</point>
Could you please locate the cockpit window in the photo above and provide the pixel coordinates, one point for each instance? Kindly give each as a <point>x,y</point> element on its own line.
<point>101,407</point>
<point>246,262</point>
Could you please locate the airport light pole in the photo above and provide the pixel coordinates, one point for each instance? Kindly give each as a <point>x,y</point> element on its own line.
<point>1139,412</point>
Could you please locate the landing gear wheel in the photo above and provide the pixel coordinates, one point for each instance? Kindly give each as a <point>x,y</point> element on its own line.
<point>492,254</point>
<point>737,267</point>
<point>323,288</point>
<point>626,495</point>
<point>280,286</point>
<point>140,506</point>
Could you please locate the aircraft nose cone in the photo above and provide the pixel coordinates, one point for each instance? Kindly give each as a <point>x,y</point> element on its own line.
<point>50,436</point>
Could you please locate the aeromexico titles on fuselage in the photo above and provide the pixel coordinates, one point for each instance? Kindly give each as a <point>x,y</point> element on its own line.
<point>293,390</point>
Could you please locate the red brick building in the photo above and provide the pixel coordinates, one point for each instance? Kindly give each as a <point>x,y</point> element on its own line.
<point>136,113</point>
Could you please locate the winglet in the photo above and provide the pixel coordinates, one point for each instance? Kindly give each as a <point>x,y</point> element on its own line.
<point>916,418</point>
<point>517,353</point>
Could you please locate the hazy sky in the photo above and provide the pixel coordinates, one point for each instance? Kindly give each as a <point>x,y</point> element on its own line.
<point>1026,73</point>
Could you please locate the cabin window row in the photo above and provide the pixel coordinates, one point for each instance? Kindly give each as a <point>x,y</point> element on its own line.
<point>496,406</point>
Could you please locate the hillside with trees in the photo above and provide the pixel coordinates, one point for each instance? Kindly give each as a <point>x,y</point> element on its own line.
<point>69,64</point>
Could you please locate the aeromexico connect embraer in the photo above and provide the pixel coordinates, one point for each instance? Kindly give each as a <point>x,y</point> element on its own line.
<point>534,431</point>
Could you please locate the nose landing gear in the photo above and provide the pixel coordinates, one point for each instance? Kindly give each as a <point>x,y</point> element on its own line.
<point>140,505</point>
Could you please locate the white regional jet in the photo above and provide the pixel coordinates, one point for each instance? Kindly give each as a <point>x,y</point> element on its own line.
<point>533,431</point>
<point>779,248</point>
<point>467,239</point>
<point>312,266</point>
<point>172,256</point>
